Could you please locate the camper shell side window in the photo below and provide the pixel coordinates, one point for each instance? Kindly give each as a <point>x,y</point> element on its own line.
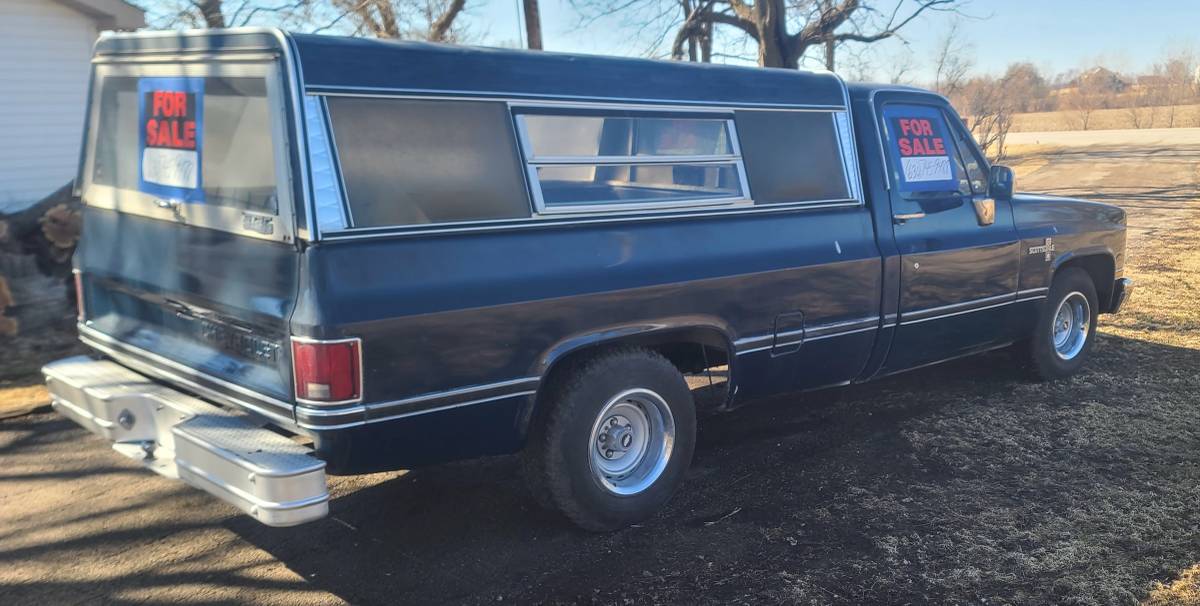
<point>383,162</point>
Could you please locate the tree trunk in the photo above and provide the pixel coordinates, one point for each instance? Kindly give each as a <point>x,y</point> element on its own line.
<point>533,25</point>
<point>214,17</point>
<point>774,44</point>
<point>830,47</point>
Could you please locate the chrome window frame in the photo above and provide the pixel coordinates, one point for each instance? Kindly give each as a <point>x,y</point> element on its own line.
<point>616,214</point>
<point>321,146</point>
<point>223,218</point>
<point>843,129</point>
<point>845,134</point>
<point>532,161</point>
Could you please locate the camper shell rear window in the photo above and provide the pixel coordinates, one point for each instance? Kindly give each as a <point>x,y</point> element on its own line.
<point>222,135</point>
<point>201,144</point>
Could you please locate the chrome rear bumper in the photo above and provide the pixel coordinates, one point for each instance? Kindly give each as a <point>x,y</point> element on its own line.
<point>180,436</point>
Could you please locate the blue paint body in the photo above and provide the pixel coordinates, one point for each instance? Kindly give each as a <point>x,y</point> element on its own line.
<point>459,328</point>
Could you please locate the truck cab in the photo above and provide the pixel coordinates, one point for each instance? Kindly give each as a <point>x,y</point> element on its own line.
<point>306,254</point>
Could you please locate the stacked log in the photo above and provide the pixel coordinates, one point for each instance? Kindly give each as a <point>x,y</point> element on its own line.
<point>36,244</point>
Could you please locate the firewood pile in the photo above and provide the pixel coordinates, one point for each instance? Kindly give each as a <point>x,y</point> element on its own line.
<point>36,244</point>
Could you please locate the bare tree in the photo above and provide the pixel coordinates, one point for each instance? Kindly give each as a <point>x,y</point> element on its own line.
<point>432,20</point>
<point>1026,88</point>
<point>1094,89</point>
<point>1176,82</point>
<point>988,105</point>
<point>900,67</point>
<point>987,112</point>
<point>228,13</point>
<point>436,20</point>
<point>782,31</point>
<point>952,62</point>
<point>1140,107</point>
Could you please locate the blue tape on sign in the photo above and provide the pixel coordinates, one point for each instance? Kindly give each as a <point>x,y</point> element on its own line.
<point>170,137</point>
<point>921,148</point>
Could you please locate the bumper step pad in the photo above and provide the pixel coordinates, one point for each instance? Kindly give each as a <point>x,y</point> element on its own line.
<point>180,436</point>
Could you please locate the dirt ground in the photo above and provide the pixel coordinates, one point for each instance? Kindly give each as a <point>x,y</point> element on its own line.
<point>956,484</point>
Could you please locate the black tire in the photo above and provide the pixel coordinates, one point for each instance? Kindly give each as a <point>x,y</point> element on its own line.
<point>559,461</point>
<point>1042,358</point>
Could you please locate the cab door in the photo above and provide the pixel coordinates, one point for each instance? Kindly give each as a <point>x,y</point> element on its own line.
<point>959,249</point>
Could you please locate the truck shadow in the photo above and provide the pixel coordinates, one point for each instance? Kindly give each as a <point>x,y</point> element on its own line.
<point>469,532</point>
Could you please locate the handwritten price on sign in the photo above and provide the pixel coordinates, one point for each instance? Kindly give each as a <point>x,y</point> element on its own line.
<point>926,168</point>
<point>171,167</point>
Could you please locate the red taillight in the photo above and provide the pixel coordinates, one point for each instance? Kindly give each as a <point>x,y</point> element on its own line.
<point>327,371</point>
<point>79,313</point>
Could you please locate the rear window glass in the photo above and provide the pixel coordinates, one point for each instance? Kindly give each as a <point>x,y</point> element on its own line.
<point>200,140</point>
<point>414,162</point>
<point>792,156</point>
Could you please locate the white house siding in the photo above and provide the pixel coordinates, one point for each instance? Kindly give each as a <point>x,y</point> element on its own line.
<point>45,50</point>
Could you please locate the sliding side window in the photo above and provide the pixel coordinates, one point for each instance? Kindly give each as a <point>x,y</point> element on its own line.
<point>606,161</point>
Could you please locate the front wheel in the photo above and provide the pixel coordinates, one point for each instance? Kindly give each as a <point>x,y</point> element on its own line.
<point>1066,328</point>
<point>616,441</point>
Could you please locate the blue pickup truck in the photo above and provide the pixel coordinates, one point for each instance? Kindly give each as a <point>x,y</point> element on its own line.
<point>308,254</point>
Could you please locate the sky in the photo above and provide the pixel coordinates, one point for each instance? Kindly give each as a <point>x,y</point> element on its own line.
<point>1055,35</point>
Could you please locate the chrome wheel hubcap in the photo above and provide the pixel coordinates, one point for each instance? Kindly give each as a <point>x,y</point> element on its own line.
<point>631,441</point>
<point>1070,326</point>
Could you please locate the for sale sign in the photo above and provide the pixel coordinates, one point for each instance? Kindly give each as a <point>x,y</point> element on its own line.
<point>921,147</point>
<point>171,124</point>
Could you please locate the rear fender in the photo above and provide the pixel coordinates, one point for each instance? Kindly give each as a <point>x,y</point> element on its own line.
<point>708,331</point>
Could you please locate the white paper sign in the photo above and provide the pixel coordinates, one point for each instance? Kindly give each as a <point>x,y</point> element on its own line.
<point>170,167</point>
<point>926,168</point>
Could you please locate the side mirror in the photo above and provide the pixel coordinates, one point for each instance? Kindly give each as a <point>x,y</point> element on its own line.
<point>1000,182</point>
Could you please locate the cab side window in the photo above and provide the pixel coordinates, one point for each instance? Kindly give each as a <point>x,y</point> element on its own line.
<point>924,161</point>
<point>964,180</point>
<point>976,168</point>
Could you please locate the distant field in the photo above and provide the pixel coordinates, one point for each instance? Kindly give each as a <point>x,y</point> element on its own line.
<point>1106,119</point>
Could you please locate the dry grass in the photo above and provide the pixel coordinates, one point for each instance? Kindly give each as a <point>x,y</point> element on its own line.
<point>21,398</point>
<point>1105,119</point>
<point>1183,591</point>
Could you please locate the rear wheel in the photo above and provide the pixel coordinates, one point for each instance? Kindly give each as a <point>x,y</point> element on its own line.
<point>616,441</point>
<point>1066,328</point>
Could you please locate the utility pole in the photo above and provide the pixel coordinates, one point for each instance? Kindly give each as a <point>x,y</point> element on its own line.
<point>533,24</point>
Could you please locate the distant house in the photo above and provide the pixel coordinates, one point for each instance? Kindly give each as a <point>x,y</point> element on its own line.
<point>1103,79</point>
<point>45,50</point>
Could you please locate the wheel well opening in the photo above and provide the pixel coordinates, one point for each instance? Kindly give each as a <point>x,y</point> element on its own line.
<point>701,355</point>
<point>1102,270</point>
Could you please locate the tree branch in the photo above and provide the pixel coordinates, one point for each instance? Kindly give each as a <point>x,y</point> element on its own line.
<point>441,26</point>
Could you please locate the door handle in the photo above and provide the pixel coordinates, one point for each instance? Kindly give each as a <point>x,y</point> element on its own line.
<point>904,217</point>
